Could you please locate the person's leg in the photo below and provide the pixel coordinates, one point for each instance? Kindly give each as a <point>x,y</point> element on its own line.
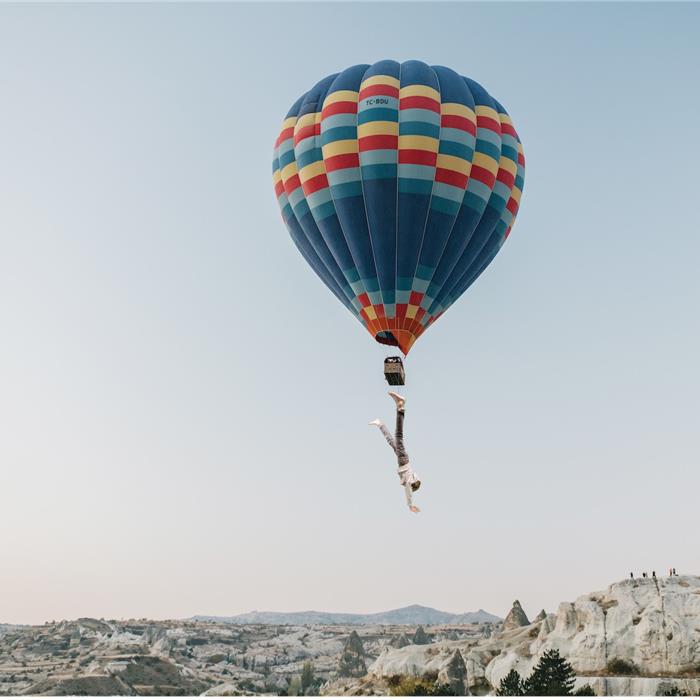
<point>400,447</point>
<point>385,432</point>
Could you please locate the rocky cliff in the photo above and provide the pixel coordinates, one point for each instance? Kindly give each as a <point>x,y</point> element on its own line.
<point>638,637</point>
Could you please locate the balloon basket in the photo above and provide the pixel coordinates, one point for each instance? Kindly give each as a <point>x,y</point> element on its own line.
<point>394,372</point>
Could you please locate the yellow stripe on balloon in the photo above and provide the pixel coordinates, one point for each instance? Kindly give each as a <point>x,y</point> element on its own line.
<point>306,120</point>
<point>486,162</point>
<point>340,96</point>
<point>419,91</point>
<point>312,170</point>
<point>378,128</point>
<point>289,171</point>
<point>508,165</point>
<point>380,80</point>
<point>458,110</point>
<point>459,165</point>
<point>484,111</point>
<point>337,148</point>
<point>420,143</point>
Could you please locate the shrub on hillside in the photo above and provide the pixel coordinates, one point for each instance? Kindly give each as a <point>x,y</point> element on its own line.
<point>621,667</point>
<point>418,686</point>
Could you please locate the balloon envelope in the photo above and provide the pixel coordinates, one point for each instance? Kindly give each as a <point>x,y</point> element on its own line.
<point>399,183</point>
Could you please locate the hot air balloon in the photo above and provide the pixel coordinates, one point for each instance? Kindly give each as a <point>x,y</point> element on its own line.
<point>399,183</point>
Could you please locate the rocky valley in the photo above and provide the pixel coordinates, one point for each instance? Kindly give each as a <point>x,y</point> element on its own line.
<point>192,657</point>
<point>637,637</point>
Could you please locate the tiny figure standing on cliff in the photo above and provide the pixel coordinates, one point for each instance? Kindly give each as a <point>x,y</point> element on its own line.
<point>409,479</point>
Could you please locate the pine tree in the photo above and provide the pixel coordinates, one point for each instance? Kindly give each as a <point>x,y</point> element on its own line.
<point>352,661</point>
<point>511,685</point>
<point>553,675</point>
<point>307,676</point>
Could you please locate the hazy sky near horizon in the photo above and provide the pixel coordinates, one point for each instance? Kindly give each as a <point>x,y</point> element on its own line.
<point>184,406</point>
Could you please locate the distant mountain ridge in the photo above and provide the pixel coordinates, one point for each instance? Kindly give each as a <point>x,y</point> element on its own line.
<point>411,615</point>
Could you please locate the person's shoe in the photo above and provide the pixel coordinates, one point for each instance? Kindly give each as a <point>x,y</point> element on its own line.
<point>376,422</point>
<point>400,400</point>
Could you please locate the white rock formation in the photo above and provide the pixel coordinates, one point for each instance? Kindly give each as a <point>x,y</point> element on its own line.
<point>516,617</point>
<point>652,625</point>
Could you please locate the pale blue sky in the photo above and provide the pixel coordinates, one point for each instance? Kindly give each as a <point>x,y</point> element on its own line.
<point>184,406</point>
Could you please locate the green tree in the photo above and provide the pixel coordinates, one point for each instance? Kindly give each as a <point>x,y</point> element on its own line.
<point>553,675</point>
<point>585,690</point>
<point>674,691</point>
<point>307,676</point>
<point>294,688</point>
<point>352,660</point>
<point>511,685</point>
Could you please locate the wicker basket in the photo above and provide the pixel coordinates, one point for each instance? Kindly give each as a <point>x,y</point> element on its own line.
<point>394,372</point>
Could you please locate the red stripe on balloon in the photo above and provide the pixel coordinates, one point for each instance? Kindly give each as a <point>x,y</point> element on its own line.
<point>378,141</point>
<point>344,160</point>
<point>488,123</point>
<point>508,129</point>
<point>419,102</point>
<point>505,177</point>
<point>416,156</point>
<point>339,108</point>
<point>383,90</point>
<point>483,175</point>
<point>285,134</point>
<point>454,121</point>
<point>315,183</point>
<point>307,132</point>
<point>292,183</point>
<point>451,177</point>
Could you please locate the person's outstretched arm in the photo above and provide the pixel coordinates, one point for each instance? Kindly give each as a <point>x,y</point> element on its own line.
<point>409,499</point>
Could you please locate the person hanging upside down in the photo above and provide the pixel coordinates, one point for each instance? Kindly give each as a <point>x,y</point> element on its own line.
<point>409,479</point>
